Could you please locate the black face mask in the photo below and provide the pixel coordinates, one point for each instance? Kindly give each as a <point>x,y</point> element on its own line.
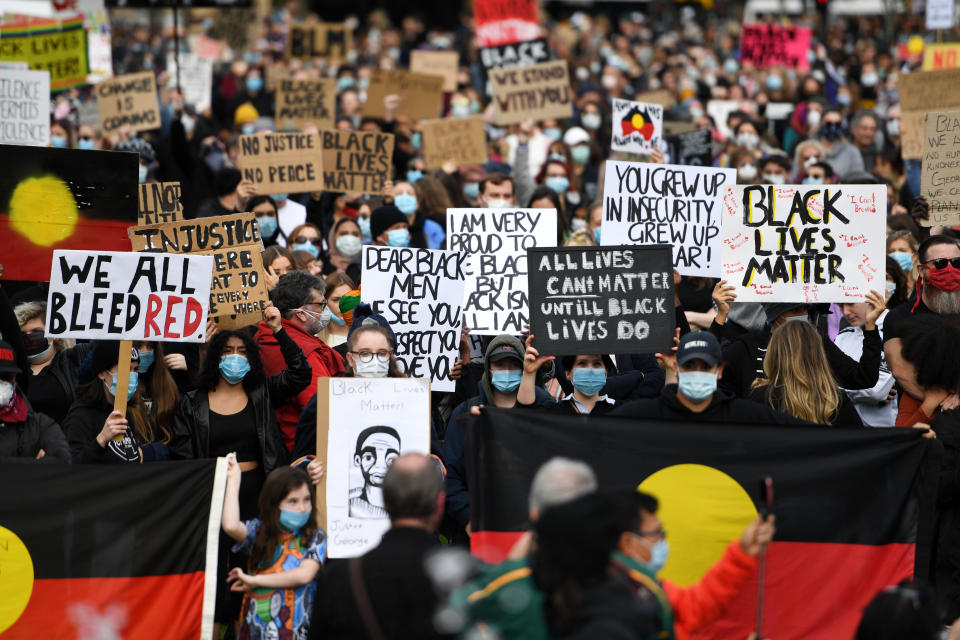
<point>832,130</point>
<point>35,343</point>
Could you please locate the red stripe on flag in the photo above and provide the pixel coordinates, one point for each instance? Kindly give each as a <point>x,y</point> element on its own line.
<point>149,607</point>
<point>493,546</point>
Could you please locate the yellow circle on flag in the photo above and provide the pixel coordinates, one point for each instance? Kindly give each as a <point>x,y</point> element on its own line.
<point>16,578</point>
<point>915,45</point>
<point>637,121</point>
<point>44,210</point>
<point>702,509</point>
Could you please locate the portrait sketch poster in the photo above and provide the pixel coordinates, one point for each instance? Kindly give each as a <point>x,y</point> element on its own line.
<point>363,424</point>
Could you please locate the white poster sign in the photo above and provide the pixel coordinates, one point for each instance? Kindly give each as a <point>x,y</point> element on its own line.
<point>25,107</point>
<point>196,79</point>
<point>637,126</point>
<point>939,15</point>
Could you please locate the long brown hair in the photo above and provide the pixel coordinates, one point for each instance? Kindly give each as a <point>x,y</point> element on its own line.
<point>278,486</point>
<point>95,393</point>
<point>799,379</point>
<point>163,392</point>
<point>374,327</point>
<point>432,196</point>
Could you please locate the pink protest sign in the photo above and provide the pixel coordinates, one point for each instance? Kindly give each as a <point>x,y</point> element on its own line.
<point>770,45</point>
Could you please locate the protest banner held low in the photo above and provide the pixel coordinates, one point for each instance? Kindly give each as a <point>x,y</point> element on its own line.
<point>461,140</point>
<point>159,203</point>
<point>940,177</point>
<point>667,204</point>
<point>601,299</point>
<point>497,240</point>
<point>113,295</point>
<point>420,293</point>
<point>363,425</point>
<point>637,126</point>
<point>129,100</point>
<point>282,162</point>
<point>538,91</point>
<point>302,102</point>
<point>24,107</point>
<point>356,161</point>
<point>330,40</point>
<point>801,243</point>
<point>421,94</point>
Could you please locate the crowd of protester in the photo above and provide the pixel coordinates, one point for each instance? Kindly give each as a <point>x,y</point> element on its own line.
<point>251,393</point>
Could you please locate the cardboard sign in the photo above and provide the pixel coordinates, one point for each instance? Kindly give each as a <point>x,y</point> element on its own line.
<point>517,54</point>
<point>941,56</point>
<point>355,161</point>
<point>159,203</point>
<point>660,96</point>
<point>922,92</point>
<point>237,289</point>
<point>693,148</point>
<point>497,241</point>
<point>329,40</point>
<point>300,102</point>
<point>25,107</point>
<point>282,162</point>
<point>601,300</point>
<point>793,243</point>
<point>445,64</point>
<point>538,91</point>
<point>498,22</point>
<point>129,100</point>
<point>363,424</point>
<point>667,204</point>
<point>940,177</point>
<point>56,46</point>
<point>274,73</point>
<point>420,293</point>
<point>462,140</point>
<point>637,126</point>
<point>196,79</point>
<point>939,15</point>
<point>113,295</point>
<point>772,45</point>
<point>421,95</point>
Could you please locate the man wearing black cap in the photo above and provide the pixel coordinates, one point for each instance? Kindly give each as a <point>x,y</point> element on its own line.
<point>389,227</point>
<point>25,436</point>
<point>691,392</point>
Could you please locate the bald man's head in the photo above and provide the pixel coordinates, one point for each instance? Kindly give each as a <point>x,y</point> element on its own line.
<point>412,487</point>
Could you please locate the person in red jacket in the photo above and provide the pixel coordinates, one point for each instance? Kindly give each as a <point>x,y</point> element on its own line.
<point>300,298</point>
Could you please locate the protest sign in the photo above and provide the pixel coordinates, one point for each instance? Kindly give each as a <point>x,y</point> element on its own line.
<point>420,293</point>
<point>793,243</point>
<point>693,148</point>
<point>363,425</point>
<point>56,46</point>
<point>941,56</point>
<point>498,22</point>
<point>129,100</point>
<point>421,94</point>
<point>720,110</point>
<point>516,54</point>
<point>237,290</point>
<point>601,299</point>
<point>437,63</point>
<point>65,199</point>
<point>939,15</point>
<point>495,298</point>
<point>114,295</point>
<point>940,176</point>
<point>355,161</point>
<point>25,107</point>
<point>667,204</point>
<point>773,44</point>
<point>274,73</point>
<point>661,97</point>
<point>282,162</point>
<point>159,203</point>
<point>538,91</point>
<point>300,102</point>
<point>459,139</point>
<point>196,79</point>
<point>329,40</point>
<point>637,126</point>
<point>922,92</point>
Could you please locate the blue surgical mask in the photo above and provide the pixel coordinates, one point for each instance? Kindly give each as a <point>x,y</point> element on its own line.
<point>589,380</point>
<point>248,129</point>
<point>471,190</point>
<point>844,99</point>
<point>234,367</point>
<point>578,223</point>
<point>142,173</point>
<point>774,83</point>
<point>406,203</point>
<point>293,521</point>
<point>416,140</point>
<point>398,238</point>
<point>596,235</point>
<point>506,381</point>
<point>413,175</point>
<point>891,288</point>
<point>580,154</point>
<point>559,184</point>
<point>812,180</point>
<point>254,83</point>
<point>60,142</point>
<point>801,318</point>
<point>345,82</point>
<point>85,144</point>
<point>697,386</point>
<point>553,133</point>
<point>904,259</point>
<point>308,247</point>
<point>131,384</point>
<point>267,225</point>
<point>146,360</point>
<point>348,246</point>
<point>364,224</point>
<point>658,556</point>
<point>279,197</point>
<point>337,320</point>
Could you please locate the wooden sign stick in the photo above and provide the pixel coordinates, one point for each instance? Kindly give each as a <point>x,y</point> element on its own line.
<point>123,376</point>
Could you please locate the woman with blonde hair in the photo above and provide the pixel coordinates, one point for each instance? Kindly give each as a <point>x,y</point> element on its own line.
<point>799,381</point>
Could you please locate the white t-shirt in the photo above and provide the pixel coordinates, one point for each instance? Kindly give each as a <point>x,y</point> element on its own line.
<point>290,215</point>
<point>871,404</point>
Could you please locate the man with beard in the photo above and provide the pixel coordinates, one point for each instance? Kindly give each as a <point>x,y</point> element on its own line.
<point>377,448</point>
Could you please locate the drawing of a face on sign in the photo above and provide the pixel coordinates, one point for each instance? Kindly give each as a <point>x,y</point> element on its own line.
<point>377,448</point>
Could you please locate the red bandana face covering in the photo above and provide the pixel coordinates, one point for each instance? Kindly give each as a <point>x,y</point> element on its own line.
<point>16,411</point>
<point>946,279</point>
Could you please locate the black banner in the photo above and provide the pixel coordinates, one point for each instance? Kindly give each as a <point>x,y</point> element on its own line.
<point>693,148</point>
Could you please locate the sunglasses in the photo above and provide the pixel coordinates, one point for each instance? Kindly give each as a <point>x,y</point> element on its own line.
<point>941,263</point>
<point>314,241</point>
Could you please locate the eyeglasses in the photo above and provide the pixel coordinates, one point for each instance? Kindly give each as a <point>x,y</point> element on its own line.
<point>314,241</point>
<point>941,263</point>
<point>659,534</point>
<point>366,357</point>
<point>323,305</point>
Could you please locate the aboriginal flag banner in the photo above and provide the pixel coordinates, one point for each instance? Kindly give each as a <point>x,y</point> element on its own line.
<point>854,507</point>
<point>104,551</point>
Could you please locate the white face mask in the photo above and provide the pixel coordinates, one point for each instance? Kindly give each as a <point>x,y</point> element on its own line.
<point>497,203</point>
<point>747,172</point>
<point>372,369</point>
<point>6,393</point>
<point>813,118</point>
<point>774,178</point>
<point>747,140</point>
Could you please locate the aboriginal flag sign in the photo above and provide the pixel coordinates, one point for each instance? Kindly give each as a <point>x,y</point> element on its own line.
<point>854,507</point>
<point>94,551</point>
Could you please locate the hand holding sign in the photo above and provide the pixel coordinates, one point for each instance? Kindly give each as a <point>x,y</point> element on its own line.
<point>875,308</point>
<point>271,315</point>
<point>723,295</point>
<point>668,360</point>
<point>532,360</point>
<point>115,425</point>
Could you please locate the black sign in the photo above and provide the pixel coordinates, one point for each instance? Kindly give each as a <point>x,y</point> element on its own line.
<point>601,300</point>
<point>519,54</point>
<point>694,148</point>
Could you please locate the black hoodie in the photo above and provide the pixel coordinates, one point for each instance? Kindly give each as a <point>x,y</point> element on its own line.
<point>723,407</point>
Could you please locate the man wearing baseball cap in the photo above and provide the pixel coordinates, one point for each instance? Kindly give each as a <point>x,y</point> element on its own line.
<point>691,391</point>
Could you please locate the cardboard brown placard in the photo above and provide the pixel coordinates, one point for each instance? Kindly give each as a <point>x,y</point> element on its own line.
<point>538,91</point>
<point>287,162</point>
<point>159,203</point>
<point>123,373</point>
<point>302,102</point>
<point>274,73</point>
<point>323,436</point>
<point>922,92</point>
<point>129,100</point>
<point>659,96</point>
<point>328,40</point>
<point>438,63</point>
<point>421,94</point>
<point>940,177</point>
<point>356,161</point>
<point>459,139</point>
